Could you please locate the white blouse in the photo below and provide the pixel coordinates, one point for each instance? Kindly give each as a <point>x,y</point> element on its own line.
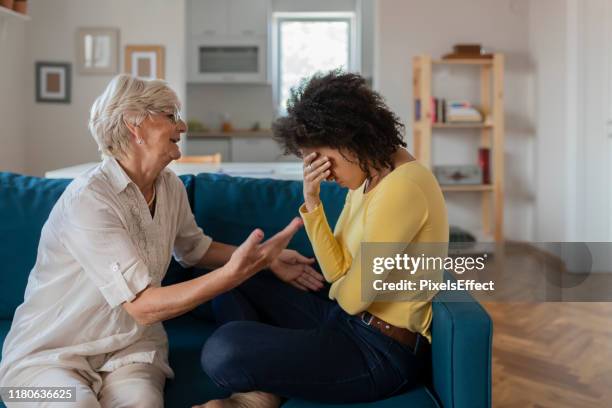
<point>99,248</point>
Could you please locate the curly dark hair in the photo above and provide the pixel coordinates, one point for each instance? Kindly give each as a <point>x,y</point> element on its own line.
<point>338,110</point>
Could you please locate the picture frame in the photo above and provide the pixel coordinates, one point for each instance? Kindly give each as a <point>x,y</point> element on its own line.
<point>97,51</point>
<point>53,82</point>
<point>145,61</point>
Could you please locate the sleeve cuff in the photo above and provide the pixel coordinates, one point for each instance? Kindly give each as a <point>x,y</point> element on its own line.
<point>194,256</point>
<point>125,286</point>
<point>309,216</point>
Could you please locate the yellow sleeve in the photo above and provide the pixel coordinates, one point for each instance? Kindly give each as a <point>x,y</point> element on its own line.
<point>394,215</point>
<point>333,257</point>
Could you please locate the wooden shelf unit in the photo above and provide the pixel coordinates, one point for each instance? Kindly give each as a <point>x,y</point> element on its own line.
<point>491,132</point>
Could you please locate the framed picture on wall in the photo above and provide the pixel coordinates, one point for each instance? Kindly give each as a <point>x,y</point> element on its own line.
<point>145,61</point>
<point>53,82</point>
<point>97,51</point>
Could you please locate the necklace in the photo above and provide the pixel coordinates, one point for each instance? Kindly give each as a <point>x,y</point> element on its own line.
<point>150,203</point>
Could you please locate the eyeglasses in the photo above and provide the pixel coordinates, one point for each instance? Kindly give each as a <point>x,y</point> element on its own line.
<point>174,117</point>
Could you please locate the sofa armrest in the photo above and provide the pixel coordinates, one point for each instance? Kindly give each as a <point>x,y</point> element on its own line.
<point>462,333</point>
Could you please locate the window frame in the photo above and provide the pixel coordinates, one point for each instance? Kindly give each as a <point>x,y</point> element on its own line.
<point>354,49</point>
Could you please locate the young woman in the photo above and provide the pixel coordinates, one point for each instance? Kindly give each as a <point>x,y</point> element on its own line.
<point>280,342</point>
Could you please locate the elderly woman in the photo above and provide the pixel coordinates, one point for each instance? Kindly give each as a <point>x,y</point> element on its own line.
<point>354,347</point>
<point>93,307</point>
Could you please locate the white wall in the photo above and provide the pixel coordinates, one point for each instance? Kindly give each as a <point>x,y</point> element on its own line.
<point>569,45</point>
<point>12,98</point>
<point>594,136</point>
<point>406,28</point>
<point>57,134</point>
<point>548,39</point>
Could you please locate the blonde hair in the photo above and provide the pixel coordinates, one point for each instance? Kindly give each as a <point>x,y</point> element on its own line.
<point>127,99</point>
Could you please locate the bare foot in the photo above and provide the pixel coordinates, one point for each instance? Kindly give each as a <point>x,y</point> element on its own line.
<point>253,399</point>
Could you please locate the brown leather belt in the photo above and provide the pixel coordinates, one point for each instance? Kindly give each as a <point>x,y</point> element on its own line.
<point>399,334</point>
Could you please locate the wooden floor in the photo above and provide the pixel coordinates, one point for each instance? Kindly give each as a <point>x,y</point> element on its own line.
<point>552,354</point>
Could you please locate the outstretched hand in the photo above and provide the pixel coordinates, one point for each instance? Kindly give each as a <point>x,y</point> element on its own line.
<point>295,269</point>
<point>253,256</point>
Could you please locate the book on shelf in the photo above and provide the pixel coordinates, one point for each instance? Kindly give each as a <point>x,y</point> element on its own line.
<point>437,108</point>
<point>463,111</point>
<point>443,111</point>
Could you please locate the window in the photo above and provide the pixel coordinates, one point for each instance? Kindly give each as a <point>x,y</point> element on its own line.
<point>306,43</point>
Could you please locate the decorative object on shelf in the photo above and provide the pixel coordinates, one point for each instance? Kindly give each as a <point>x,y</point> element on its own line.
<point>458,234</point>
<point>21,6</point>
<point>468,51</point>
<point>53,82</point>
<point>145,61</point>
<point>97,51</point>
<point>484,164</point>
<point>458,174</point>
<point>256,126</point>
<point>7,4</point>
<point>226,123</point>
<point>196,126</point>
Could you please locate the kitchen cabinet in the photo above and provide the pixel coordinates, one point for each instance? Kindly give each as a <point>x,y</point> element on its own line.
<point>248,17</point>
<point>207,17</point>
<point>227,41</point>
<point>228,18</point>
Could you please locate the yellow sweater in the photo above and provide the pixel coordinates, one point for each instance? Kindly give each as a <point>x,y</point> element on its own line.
<point>407,206</point>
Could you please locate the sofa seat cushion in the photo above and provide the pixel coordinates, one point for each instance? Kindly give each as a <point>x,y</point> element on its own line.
<point>419,397</point>
<point>187,335</point>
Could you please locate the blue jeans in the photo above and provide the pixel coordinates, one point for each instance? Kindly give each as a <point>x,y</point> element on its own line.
<point>278,339</point>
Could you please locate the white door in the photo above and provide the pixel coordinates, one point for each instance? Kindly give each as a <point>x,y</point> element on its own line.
<point>609,114</point>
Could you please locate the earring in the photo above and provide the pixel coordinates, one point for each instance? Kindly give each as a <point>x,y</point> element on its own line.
<point>140,141</point>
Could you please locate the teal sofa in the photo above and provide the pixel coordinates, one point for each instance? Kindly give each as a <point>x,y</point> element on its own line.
<point>228,208</point>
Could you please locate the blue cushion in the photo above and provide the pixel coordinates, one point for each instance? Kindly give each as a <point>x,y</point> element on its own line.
<point>417,398</point>
<point>176,273</point>
<point>462,333</point>
<point>186,336</point>
<point>229,208</point>
<point>25,205</point>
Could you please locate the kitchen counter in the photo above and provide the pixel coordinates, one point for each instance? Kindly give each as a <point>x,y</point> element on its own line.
<point>264,133</point>
<point>275,170</point>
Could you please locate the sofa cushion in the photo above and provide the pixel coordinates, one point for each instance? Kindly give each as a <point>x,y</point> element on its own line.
<point>418,398</point>
<point>190,385</point>
<point>229,208</point>
<point>25,204</point>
